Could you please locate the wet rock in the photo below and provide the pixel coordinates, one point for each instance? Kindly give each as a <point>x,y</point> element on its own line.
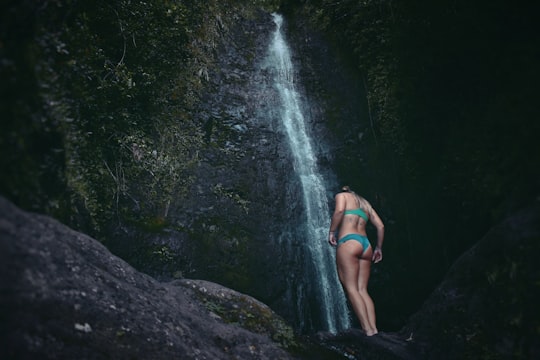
<point>354,344</point>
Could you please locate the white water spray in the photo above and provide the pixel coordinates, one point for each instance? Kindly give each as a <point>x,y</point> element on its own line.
<point>327,290</point>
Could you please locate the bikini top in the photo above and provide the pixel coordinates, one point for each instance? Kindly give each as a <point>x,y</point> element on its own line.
<point>358,212</point>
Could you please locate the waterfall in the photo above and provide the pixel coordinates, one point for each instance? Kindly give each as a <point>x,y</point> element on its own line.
<point>318,284</point>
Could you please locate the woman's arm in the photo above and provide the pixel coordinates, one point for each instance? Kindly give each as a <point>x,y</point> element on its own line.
<point>377,222</point>
<point>336,218</point>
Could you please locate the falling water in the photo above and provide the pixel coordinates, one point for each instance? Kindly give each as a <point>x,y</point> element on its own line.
<point>319,269</point>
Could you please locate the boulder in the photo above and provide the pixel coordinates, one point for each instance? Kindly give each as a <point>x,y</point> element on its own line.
<point>65,296</point>
<point>487,305</point>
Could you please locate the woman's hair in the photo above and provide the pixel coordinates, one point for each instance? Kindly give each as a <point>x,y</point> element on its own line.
<point>363,203</point>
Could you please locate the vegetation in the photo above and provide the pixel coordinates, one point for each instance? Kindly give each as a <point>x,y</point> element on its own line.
<point>99,105</point>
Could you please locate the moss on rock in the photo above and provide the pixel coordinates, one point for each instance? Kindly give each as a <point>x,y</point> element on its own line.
<point>237,308</point>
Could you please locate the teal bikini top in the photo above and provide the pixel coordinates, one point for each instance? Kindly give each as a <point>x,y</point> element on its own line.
<point>358,212</point>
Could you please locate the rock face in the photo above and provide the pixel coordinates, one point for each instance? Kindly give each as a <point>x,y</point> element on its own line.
<point>240,219</point>
<point>487,306</point>
<point>236,206</point>
<point>65,296</point>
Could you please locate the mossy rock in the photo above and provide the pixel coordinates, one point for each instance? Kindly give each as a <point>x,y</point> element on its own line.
<point>237,308</point>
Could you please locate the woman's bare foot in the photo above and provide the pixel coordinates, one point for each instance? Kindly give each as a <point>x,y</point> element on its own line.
<point>371,332</point>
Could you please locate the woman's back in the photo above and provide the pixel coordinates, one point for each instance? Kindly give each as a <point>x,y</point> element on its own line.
<point>355,213</point>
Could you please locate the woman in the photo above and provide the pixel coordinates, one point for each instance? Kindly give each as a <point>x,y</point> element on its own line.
<point>354,252</point>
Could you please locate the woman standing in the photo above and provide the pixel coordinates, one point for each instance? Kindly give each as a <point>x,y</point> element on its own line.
<point>354,252</point>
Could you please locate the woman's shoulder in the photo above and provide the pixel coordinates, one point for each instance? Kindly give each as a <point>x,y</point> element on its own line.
<point>341,198</point>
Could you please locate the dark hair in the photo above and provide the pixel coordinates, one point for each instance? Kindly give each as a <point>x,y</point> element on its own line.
<point>346,188</point>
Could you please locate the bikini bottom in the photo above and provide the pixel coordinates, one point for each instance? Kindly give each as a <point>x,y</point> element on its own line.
<point>363,240</point>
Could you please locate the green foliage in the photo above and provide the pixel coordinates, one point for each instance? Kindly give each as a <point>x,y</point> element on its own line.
<point>162,254</point>
<point>112,87</point>
<point>220,191</point>
<point>365,29</point>
<point>129,75</point>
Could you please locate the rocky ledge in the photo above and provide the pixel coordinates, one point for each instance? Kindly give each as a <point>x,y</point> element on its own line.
<point>65,296</point>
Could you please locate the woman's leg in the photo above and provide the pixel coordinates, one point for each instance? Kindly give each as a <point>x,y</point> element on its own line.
<point>363,278</point>
<point>349,272</point>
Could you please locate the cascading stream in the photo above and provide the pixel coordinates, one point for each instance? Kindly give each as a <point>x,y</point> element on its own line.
<point>320,268</point>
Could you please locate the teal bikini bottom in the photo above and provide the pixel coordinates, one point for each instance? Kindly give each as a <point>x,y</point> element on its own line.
<point>363,240</point>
